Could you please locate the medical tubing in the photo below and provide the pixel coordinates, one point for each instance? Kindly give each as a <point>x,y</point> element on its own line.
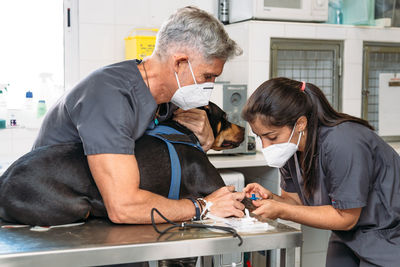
<point>184,225</point>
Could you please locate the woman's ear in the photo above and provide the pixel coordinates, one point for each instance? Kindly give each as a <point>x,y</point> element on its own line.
<point>301,124</point>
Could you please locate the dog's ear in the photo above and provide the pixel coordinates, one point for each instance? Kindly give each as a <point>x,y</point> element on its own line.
<point>215,110</point>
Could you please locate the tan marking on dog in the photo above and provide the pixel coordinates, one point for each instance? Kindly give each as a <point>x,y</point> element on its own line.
<point>233,134</point>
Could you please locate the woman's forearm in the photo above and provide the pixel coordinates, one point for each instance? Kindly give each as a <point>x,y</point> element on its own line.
<point>324,217</point>
<point>285,199</point>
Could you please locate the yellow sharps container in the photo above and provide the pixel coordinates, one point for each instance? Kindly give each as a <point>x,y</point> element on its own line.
<point>140,43</point>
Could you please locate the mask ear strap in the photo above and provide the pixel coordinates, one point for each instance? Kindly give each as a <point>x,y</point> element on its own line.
<point>298,141</point>
<point>177,80</point>
<point>291,135</point>
<point>190,67</point>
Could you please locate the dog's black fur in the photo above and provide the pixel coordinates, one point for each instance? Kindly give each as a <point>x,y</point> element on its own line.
<point>53,185</point>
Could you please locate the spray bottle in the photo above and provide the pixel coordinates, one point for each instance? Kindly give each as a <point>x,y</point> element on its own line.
<point>3,105</point>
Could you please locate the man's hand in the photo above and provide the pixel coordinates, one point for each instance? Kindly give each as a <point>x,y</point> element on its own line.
<point>196,120</point>
<point>226,202</point>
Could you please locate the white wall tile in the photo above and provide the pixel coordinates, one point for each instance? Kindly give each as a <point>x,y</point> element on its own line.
<point>240,34</point>
<point>352,81</point>
<point>352,107</point>
<point>297,30</point>
<point>260,38</point>
<point>330,32</point>
<point>353,51</point>
<point>383,35</point>
<point>360,33</point>
<point>160,10</point>
<point>236,72</point>
<point>121,31</point>
<point>210,6</point>
<point>271,28</point>
<point>88,66</point>
<point>96,42</point>
<point>132,12</point>
<point>258,73</point>
<point>96,11</point>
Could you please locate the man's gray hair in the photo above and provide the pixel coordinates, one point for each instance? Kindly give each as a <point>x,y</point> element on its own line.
<point>193,28</point>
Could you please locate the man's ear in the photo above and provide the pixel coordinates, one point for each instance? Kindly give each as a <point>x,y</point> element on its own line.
<point>179,58</point>
<point>301,124</point>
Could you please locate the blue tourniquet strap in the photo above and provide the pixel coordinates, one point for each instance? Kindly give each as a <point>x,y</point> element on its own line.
<point>160,132</point>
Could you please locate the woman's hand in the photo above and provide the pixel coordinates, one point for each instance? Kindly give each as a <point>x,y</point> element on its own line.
<point>268,208</point>
<point>196,120</point>
<point>226,202</point>
<point>258,190</point>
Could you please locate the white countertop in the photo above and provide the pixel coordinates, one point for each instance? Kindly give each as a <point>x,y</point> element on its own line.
<point>237,160</point>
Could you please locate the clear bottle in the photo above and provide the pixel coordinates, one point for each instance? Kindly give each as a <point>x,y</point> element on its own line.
<point>41,109</point>
<point>3,107</point>
<point>335,12</point>
<point>3,104</point>
<point>28,112</point>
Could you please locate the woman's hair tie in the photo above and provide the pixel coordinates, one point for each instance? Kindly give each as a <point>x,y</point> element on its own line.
<point>303,86</point>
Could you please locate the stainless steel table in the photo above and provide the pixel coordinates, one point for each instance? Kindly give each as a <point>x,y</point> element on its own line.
<point>99,242</point>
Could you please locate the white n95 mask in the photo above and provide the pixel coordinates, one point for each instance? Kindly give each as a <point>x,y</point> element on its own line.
<point>194,95</point>
<point>277,155</point>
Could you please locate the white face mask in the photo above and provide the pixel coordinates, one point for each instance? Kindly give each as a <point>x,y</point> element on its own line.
<point>277,155</point>
<point>194,95</point>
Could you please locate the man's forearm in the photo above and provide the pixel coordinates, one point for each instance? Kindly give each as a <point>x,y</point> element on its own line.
<point>137,210</point>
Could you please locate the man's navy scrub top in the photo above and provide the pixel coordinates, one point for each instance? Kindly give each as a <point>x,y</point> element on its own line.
<point>357,169</point>
<point>107,112</point>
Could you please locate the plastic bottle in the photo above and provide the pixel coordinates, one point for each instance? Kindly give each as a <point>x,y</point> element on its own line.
<point>3,107</point>
<point>28,112</point>
<point>41,109</point>
<point>3,104</point>
<point>335,12</point>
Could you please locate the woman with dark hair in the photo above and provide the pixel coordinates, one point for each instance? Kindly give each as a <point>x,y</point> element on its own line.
<point>336,173</point>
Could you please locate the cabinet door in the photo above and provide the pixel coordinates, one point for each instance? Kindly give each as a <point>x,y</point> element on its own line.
<point>314,61</point>
<point>378,58</point>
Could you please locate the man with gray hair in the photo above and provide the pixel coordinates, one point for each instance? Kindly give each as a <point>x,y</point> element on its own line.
<point>113,106</point>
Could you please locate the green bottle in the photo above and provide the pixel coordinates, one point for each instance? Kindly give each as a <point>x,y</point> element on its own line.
<point>41,108</point>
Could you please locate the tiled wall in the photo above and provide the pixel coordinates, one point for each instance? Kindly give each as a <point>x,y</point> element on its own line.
<point>252,67</point>
<point>103,25</point>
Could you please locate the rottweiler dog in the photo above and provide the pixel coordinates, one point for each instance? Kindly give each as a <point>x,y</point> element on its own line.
<point>53,185</point>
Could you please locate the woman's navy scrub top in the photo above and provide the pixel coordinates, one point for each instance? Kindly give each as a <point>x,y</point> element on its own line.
<point>356,169</point>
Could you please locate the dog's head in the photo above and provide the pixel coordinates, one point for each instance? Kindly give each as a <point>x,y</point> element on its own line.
<point>227,135</point>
